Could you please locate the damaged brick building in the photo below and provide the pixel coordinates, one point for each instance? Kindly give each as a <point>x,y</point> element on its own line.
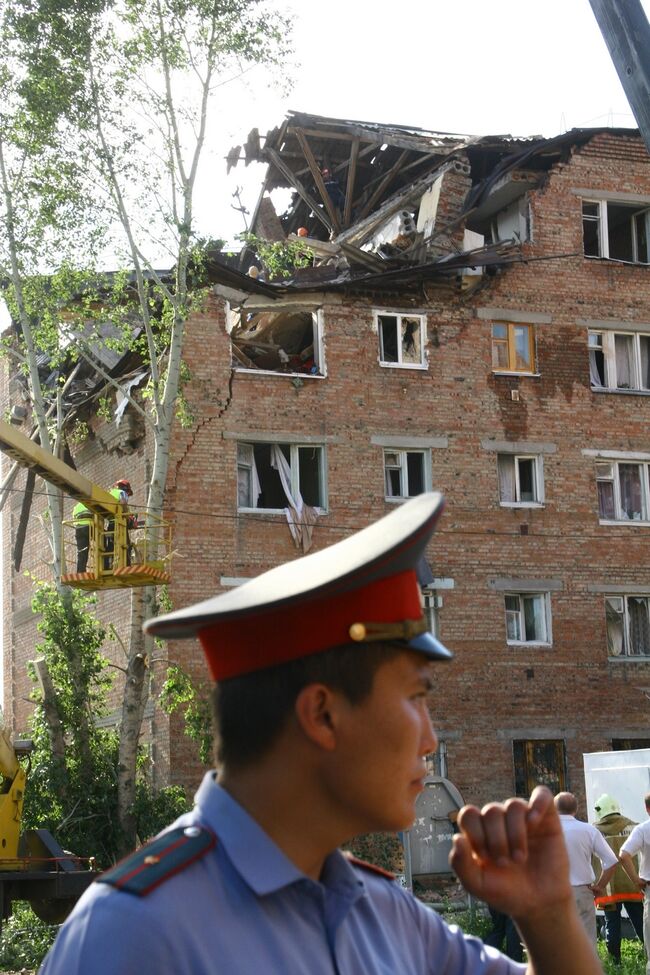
<point>475,319</point>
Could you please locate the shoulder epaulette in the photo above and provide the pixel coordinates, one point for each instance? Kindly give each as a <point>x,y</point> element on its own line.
<point>160,859</point>
<point>373,868</point>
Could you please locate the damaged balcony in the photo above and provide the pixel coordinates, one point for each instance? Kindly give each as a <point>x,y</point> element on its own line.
<point>287,341</point>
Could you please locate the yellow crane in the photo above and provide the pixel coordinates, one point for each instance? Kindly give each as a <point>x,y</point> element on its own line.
<point>125,549</point>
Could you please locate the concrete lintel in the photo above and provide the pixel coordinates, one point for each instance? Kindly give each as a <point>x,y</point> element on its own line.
<point>590,194</point>
<point>613,326</point>
<point>404,443</point>
<point>518,446</point>
<point>616,454</point>
<point>514,315</point>
<point>254,436</point>
<point>615,589</point>
<point>530,734</point>
<point>525,585</point>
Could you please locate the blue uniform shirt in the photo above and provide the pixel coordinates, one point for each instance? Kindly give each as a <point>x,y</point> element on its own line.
<point>245,909</point>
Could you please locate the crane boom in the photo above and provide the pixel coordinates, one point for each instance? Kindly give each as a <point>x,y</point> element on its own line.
<point>626,31</point>
<point>55,471</point>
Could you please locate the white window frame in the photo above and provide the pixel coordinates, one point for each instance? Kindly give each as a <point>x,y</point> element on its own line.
<point>623,609</point>
<point>399,316</point>
<point>603,228</point>
<point>431,603</point>
<point>607,471</point>
<point>605,341</point>
<point>545,597</point>
<point>538,479</point>
<point>319,344</point>
<point>402,453</point>
<point>295,473</point>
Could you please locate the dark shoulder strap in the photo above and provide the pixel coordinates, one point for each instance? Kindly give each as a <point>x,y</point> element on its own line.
<point>160,859</point>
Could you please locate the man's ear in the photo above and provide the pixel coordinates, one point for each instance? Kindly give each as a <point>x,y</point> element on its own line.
<point>317,707</point>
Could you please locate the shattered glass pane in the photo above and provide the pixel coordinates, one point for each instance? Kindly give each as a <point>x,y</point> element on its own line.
<point>615,625</point>
<point>411,340</point>
<point>522,347</point>
<point>388,338</point>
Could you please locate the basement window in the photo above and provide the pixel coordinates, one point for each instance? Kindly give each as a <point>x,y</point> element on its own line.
<point>528,618</point>
<point>628,626</point>
<point>622,491</point>
<point>270,474</point>
<point>406,473</point>
<point>288,342</point>
<point>618,231</point>
<point>619,360</point>
<point>401,340</point>
<point>521,481</point>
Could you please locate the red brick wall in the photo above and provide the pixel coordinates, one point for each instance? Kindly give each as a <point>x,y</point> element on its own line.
<point>492,693</point>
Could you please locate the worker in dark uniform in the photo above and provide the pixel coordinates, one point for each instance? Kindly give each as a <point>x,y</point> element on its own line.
<point>323,671</point>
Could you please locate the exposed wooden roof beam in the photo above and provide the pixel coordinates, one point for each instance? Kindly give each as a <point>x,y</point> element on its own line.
<point>318,178</point>
<point>386,181</point>
<point>352,172</point>
<point>288,174</point>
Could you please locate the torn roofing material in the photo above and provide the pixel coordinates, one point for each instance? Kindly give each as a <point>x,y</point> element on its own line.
<point>382,204</point>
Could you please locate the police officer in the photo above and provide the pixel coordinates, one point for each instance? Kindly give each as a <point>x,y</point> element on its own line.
<point>323,675</point>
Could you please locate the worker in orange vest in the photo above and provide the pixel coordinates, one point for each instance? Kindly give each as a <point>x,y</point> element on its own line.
<point>620,891</point>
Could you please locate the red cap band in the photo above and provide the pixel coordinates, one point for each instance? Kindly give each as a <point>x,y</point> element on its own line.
<point>242,645</point>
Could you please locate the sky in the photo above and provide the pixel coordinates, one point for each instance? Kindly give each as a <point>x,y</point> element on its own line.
<point>482,67</point>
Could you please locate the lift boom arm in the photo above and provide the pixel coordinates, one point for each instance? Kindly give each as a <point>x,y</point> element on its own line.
<point>42,462</point>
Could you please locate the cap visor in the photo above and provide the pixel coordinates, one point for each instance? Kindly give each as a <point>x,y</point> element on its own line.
<point>428,645</point>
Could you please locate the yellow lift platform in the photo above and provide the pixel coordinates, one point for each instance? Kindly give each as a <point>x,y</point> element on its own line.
<point>126,548</point>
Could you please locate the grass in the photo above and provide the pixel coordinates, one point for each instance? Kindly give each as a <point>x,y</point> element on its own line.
<point>632,953</point>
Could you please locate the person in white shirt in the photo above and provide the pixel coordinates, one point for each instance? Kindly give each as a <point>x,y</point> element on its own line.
<point>583,841</point>
<point>639,842</point>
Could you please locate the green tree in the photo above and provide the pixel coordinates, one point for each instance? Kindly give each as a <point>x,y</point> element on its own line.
<point>115,98</point>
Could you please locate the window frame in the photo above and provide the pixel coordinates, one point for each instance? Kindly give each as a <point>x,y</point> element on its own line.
<point>607,348</point>
<point>294,462</point>
<point>615,480</point>
<point>522,595</point>
<point>602,221</point>
<point>233,311</point>
<point>626,653</point>
<point>510,345</point>
<point>403,466</point>
<point>538,478</point>
<point>524,762</point>
<point>378,314</point>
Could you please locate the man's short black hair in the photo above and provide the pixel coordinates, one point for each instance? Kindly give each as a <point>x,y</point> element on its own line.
<point>251,710</point>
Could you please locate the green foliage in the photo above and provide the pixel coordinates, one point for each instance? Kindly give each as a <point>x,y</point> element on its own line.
<point>77,799</point>
<point>381,849</point>
<point>280,258</point>
<point>25,940</point>
<point>180,693</point>
<point>632,959</point>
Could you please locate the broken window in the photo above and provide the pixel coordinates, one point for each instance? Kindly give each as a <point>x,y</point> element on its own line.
<point>527,617</point>
<point>618,231</point>
<point>513,347</point>
<point>277,341</point>
<point>619,360</point>
<point>263,481</point>
<point>520,479</point>
<point>539,762</point>
<point>405,473</point>
<point>622,491</point>
<point>628,626</point>
<point>401,340</point>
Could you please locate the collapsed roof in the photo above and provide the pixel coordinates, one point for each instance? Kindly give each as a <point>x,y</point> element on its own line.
<point>386,206</point>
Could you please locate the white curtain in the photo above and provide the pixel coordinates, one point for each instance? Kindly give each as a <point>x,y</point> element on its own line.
<point>301,517</point>
<point>507,484</point>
